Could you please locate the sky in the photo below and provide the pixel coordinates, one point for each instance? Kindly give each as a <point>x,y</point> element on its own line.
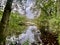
<point>29,14</point>
<point>28,5</point>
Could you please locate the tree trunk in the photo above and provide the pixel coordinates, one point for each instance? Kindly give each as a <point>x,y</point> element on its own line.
<point>4,21</point>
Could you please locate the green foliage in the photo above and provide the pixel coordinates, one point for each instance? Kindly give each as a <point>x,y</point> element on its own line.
<point>26,43</point>
<point>48,6</point>
<point>52,21</point>
<point>48,16</point>
<point>16,23</point>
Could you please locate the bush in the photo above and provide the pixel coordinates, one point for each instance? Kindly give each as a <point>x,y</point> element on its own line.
<point>16,23</point>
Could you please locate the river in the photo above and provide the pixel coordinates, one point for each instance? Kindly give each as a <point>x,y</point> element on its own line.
<point>32,34</point>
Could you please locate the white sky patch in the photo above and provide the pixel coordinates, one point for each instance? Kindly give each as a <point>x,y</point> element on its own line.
<point>29,14</point>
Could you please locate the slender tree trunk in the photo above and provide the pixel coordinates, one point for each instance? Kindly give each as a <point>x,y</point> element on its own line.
<point>4,21</point>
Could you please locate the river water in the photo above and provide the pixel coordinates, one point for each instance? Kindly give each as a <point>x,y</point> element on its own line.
<point>32,34</point>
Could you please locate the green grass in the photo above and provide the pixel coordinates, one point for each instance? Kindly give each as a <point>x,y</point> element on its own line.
<point>16,23</point>
<point>26,43</point>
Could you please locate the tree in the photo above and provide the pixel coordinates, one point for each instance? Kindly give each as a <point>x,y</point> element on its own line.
<point>47,6</point>
<point>48,12</point>
<point>4,21</point>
